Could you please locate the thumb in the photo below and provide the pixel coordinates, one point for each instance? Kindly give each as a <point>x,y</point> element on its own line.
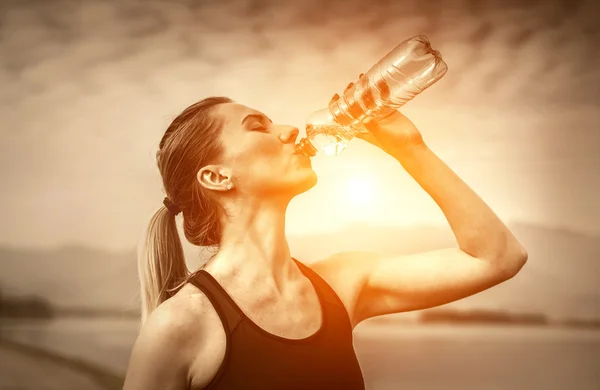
<point>371,125</point>
<point>369,137</point>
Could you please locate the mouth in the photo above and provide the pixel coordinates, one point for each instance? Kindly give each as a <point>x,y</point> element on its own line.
<point>303,158</point>
<point>298,152</point>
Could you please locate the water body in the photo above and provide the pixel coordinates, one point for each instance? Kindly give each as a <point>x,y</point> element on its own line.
<point>402,356</point>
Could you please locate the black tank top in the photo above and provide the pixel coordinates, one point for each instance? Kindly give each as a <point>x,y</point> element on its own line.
<point>257,359</point>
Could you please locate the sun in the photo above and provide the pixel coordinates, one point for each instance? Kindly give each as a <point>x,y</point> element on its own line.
<point>362,198</point>
<point>359,191</point>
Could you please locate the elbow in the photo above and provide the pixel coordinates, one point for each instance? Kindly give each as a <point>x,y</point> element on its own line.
<point>512,258</point>
<point>513,261</point>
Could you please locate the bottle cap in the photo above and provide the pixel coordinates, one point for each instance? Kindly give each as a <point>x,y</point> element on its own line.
<point>306,148</point>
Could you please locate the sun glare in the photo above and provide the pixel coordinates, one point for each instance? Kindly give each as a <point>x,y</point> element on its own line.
<point>362,198</point>
<point>360,191</point>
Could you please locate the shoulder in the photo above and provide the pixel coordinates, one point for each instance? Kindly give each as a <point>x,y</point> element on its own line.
<point>342,270</point>
<point>172,326</point>
<point>181,320</point>
<point>170,339</point>
<point>171,321</point>
<point>346,273</point>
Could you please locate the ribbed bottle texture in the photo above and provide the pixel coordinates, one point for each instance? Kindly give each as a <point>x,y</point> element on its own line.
<point>403,73</point>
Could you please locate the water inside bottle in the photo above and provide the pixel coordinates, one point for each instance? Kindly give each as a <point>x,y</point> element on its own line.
<point>332,139</point>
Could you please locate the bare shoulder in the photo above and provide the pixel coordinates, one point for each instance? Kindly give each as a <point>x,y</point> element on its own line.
<point>346,273</point>
<point>178,318</point>
<point>340,270</point>
<point>170,342</point>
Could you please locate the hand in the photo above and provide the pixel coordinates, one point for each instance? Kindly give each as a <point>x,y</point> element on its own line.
<point>395,134</point>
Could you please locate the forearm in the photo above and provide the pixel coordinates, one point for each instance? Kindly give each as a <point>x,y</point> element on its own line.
<point>478,230</point>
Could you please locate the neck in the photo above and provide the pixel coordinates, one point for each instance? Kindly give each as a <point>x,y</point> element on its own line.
<point>253,244</point>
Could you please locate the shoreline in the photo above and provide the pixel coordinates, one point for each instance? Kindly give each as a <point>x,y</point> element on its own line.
<point>102,377</point>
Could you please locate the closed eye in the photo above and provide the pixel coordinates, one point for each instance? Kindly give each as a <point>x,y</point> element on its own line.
<point>259,128</point>
<point>259,122</point>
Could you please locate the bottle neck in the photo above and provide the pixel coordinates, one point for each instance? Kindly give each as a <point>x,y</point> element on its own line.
<point>306,148</point>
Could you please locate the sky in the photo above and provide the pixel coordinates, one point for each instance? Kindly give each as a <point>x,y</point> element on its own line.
<point>88,89</point>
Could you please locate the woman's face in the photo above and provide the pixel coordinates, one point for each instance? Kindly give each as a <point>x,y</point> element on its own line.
<point>259,155</point>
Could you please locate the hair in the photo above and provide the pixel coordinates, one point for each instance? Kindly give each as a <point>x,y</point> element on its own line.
<point>190,142</point>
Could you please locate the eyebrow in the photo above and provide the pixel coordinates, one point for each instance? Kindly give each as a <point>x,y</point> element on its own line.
<point>260,117</point>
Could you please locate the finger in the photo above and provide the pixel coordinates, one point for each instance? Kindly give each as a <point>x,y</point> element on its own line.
<point>334,98</point>
<point>365,136</point>
<point>368,137</point>
<point>371,125</point>
<point>349,86</point>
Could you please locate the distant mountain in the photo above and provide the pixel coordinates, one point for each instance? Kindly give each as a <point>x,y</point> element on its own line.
<point>71,276</point>
<point>561,278</point>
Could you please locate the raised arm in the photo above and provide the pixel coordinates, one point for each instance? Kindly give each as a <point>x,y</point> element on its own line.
<point>487,253</point>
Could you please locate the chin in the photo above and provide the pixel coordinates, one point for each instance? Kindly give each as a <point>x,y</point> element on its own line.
<point>291,187</point>
<point>309,182</point>
<point>300,184</point>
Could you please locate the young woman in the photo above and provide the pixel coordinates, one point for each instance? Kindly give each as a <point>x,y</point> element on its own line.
<point>255,318</point>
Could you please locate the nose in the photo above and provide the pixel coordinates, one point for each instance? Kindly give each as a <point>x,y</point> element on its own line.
<point>289,135</point>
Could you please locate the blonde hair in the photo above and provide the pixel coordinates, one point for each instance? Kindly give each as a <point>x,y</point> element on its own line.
<point>189,143</point>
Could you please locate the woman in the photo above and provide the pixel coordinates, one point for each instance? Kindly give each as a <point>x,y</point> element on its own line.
<point>255,318</point>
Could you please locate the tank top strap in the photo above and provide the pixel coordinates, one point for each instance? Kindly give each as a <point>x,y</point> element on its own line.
<point>326,290</point>
<point>223,304</point>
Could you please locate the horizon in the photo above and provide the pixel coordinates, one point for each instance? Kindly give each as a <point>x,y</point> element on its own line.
<point>511,224</point>
<point>559,278</point>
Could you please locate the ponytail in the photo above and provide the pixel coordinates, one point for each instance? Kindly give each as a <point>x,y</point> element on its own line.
<point>190,142</point>
<point>161,262</point>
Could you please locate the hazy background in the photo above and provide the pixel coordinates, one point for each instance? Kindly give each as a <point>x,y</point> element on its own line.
<point>89,87</point>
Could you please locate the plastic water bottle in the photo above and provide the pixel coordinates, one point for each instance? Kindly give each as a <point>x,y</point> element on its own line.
<point>403,73</point>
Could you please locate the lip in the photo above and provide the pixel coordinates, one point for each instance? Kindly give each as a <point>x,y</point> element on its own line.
<point>303,158</point>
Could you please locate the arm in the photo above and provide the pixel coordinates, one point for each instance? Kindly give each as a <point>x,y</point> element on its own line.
<point>487,253</point>
<point>158,357</point>
<point>478,230</point>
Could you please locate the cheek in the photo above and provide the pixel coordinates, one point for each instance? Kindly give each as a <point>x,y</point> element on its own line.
<point>268,148</point>
<point>258,166</point>
<point>257,161</point>
<point>266,152</point>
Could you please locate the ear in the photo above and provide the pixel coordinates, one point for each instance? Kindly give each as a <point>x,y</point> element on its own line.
<point>214,177</point>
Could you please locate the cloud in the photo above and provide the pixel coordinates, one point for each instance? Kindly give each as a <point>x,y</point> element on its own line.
<point>88,89</point>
